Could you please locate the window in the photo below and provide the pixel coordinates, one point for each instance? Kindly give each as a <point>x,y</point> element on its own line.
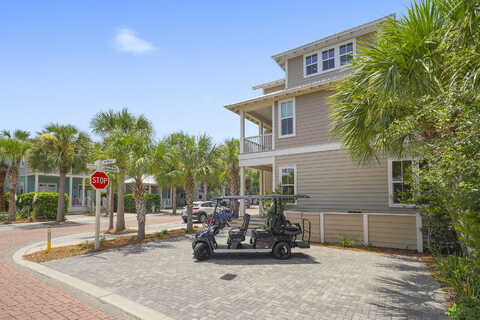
<point>287,180</point>
<point>402,179</point>
<point>346,53</point>
<point>47,187</point>
<point>328,59</point>
<point>311,64</point>
<point>287,118</point>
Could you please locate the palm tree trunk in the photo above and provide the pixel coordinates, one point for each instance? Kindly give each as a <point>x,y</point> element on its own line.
<point>189,184</point>
<point>111,206</point>
<point>120,226</point>
<point>205,191</point>
<point>3,175</point>
<point>235,189</point>
<point>12,179</point>
<point>174,199</point>
<point>61,197</point>
<point>139,191</point>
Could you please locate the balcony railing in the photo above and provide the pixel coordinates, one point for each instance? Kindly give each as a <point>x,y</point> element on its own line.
<point>257,144</point>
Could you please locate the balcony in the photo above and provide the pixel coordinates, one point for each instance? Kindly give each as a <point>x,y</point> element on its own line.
<point>255,144</point>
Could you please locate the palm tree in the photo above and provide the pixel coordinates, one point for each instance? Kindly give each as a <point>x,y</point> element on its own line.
<point>229,155</point>
<point>164,168</point>
<point>374,108</point>
<point>16,146</point>
<point>116,128</point>
<point>3,172</point>
<point>139,164</point>
<point>62,148</point>
<point>195,156</point>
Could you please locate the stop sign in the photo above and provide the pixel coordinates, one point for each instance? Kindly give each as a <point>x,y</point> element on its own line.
<point>99,180</point>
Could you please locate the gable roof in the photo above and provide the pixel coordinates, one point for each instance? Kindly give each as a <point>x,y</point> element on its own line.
<point>371,26</point>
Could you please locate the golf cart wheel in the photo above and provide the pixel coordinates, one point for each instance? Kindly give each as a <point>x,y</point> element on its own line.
<point>201,251</point>
<point>282,251</point>
<point>202,217</point>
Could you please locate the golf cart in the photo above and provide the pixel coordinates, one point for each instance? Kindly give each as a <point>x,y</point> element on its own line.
<point>278,236</point>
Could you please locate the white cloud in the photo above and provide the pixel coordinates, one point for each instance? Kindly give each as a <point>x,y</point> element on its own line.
<point>126,40</point>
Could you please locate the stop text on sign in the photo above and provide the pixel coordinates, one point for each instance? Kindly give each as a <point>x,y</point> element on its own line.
<point>99,180</point>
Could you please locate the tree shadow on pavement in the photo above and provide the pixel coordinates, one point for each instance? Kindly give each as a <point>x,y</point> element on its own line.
<point>411,294</point>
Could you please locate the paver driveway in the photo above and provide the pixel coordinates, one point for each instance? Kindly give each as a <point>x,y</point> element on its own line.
<point>319,283</point>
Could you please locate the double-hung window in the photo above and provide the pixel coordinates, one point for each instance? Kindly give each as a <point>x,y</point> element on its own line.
<point>287,118</point>
<point>311,64</point>
<point>403,178</point>
<point>287,180</point>
<point>346,53</point>
<point>328,59</point>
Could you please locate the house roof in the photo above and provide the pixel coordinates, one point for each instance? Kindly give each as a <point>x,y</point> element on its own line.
<point>280,58</point>
<point>270,84</point>
<point>321,84</point>
<point>147,179</point>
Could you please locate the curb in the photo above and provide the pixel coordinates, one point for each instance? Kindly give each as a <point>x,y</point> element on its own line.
<point>130,307</point>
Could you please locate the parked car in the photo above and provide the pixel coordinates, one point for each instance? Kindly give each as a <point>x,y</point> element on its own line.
<point>200,211</point>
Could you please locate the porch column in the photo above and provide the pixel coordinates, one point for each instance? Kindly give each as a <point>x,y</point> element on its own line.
<point>70,192</point>
<point>274,134</point>
<point>36,182</point>
<point>261,190</point>
<point>242,130</point>
<point>242,190</point>
<point>84,202</point>
<point>150,188</point>
<point>26,184</point>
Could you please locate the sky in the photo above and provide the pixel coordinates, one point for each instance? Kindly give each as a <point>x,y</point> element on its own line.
<point>176,62</point>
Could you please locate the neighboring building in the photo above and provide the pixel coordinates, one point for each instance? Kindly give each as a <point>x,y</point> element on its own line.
<point>295,153</point>
<point>76,186</point>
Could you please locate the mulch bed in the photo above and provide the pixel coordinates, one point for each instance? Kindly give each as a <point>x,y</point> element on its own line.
<point>88,247</point>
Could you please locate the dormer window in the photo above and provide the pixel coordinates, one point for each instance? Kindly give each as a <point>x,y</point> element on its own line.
<point>328,59</point>
<point>311,63</point>
<point>346,53</point>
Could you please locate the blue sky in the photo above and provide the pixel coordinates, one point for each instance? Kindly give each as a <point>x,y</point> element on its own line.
<point>177,62</point>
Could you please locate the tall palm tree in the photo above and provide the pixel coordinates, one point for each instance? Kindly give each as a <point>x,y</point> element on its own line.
<point>195,154</point>
<point>16,146</point>
<point>138,165</point>
<point>116,128</point>
<point>63,148</point>
<point>229,155</point>
<point>3,172</point>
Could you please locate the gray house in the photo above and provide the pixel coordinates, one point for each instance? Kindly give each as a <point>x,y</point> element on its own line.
<point>294,152</point>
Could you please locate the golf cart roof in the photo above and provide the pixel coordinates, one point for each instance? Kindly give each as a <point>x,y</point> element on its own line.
<point>271,196</point>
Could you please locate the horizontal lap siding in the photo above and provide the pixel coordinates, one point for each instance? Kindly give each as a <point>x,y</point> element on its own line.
<point>335,183</point>
<point>392,231</point>
<point>340,225</point>
<point>311,122</point>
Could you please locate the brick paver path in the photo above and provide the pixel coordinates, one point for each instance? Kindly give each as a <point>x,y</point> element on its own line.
<point>318,283</point>
<point>24,297</point>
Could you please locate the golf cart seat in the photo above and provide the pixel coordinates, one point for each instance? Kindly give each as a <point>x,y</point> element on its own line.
<point>235,236</point>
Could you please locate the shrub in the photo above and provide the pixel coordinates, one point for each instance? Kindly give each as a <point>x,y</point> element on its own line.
<point>346,242</point>
<point>153,200</point>
<point>466,308</point>
<point>462,273</point>
<point>41,205</point>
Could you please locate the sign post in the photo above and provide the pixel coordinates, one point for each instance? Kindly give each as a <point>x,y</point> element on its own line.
<point>98,180</point>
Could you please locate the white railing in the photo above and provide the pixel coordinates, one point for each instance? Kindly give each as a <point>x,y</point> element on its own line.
<point>257,144</point>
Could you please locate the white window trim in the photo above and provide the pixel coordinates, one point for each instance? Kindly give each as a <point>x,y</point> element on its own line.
<point>290,166</point>
<point>50,184</point>
<point>319,58</point>
<point>390,182</point>
<point>279,111</point>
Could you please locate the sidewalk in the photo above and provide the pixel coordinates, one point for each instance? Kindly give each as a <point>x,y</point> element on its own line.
<point>23,296</point>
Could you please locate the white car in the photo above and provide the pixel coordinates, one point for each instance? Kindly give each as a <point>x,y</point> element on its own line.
<point>200,211</point>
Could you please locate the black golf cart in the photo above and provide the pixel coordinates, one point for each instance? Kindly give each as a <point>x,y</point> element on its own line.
<point>278,236</point>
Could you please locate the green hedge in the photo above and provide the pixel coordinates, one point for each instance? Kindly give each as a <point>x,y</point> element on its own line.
<point>153,200</point>
<point>45,206</point>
